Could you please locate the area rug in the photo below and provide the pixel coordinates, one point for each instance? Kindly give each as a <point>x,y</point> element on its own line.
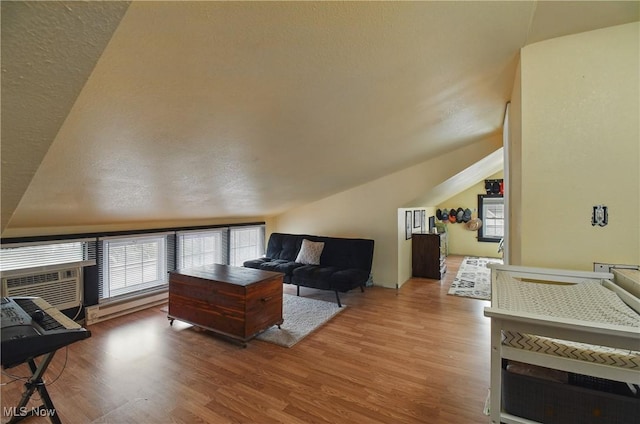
<point>301,316</point>
<point>473,278</point>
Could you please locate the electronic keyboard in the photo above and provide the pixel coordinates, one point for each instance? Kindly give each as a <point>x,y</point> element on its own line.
<point>30,327</point>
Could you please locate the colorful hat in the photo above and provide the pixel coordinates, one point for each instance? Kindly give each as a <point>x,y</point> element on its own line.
<point>459,215</point>
<point>452,216</point>
<point>445,214</point>
<point>466,217</point>
<point>439,214</point>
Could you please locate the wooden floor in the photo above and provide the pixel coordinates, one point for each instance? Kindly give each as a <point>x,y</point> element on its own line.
<point>414,355</point>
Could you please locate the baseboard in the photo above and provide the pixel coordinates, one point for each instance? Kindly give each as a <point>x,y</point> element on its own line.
<point>99,313</point>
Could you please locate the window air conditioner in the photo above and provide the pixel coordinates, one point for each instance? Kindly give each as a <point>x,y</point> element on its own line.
<point>61,288</point>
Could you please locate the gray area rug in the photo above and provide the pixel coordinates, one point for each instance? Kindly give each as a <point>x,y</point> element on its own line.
<point>301,317</point>
<point>473,278</point>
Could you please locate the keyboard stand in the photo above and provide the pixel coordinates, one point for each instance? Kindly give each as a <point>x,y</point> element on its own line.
<point>35,383</point>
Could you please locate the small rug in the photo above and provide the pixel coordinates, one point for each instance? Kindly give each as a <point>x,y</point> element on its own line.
<point>301,316</point>
<point>473,278</point>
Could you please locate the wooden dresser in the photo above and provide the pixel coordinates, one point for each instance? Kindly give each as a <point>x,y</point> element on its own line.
<point>428,255</point>
<point>236,302</point>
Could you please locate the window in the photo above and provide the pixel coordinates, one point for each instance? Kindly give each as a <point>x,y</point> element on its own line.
<point>133,264</point>
<point>42,254</point>
<point>125,264</point>
<point>230,246</point>
<point>246,243</point>
<point>197,248</point>
<point>491,212</point>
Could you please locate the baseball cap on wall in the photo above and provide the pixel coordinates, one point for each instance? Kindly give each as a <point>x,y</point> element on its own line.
<point>466,216</point>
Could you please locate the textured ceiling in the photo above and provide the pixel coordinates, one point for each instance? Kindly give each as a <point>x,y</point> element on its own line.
<point>200,110</point>
<point>48,53</point>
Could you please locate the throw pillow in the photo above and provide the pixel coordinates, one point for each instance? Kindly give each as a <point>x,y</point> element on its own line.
<point>310,252</point>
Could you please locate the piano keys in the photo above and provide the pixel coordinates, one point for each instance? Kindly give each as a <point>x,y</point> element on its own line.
<point>32,327</point>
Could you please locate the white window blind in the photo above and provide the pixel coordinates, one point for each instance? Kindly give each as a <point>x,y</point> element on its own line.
<point>43,254</point>
<point>133,264</point>
<point>493,217</point>
<point>197,248</point>
<point>246,243</point>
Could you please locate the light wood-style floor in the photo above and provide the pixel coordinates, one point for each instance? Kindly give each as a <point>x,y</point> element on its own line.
<point>414,355</point>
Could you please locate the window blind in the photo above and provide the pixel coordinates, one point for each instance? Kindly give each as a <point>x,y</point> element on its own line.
<point>246,243</point>
<point>80,252</point>
<point>198,248</point>
<point>132,264</point>
<point>493,217</point>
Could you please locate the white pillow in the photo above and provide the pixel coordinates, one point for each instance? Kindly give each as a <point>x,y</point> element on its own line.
<point>310,252</point>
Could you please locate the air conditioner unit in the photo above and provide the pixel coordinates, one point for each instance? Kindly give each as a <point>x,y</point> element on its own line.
<point>61,288</point>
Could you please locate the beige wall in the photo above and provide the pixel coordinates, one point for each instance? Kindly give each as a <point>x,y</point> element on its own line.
<point>461,240</point>
<point>580,147</point>
<point>372,209</point>
<point>514,183</point>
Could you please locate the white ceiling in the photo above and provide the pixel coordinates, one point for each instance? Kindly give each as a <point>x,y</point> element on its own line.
<point>195,110</point>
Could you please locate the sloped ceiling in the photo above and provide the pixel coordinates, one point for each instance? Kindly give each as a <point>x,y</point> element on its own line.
<point>48,52</point>
<point>156,111</point>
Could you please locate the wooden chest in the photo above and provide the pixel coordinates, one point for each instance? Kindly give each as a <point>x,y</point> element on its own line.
<point>232,301</point>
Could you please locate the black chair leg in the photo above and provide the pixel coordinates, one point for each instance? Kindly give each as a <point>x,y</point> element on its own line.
<point>362,288</point>
<point>298,286</point>
<point>338,299</point>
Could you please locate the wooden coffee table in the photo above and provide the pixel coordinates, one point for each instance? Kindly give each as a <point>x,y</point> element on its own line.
<point>235,302</point>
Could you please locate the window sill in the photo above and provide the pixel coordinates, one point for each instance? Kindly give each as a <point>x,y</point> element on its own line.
<point>489,240</point>
<point>135,295</point>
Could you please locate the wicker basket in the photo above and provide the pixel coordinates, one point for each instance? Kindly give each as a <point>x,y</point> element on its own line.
<point>556,403</point>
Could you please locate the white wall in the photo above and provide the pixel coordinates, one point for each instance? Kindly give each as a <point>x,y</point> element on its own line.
<point>581,147</point>
<point>371,210</point>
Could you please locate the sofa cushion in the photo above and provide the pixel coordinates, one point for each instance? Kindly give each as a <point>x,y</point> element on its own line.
<point>314,276</point>
<point>329,277</point>
<point>283,246</point>
<point>255,263</point>
<point>280,265</point>
<point>310,252</point>
<point>347,279</point>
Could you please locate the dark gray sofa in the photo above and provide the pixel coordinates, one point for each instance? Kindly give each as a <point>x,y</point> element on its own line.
<point>345,263</point>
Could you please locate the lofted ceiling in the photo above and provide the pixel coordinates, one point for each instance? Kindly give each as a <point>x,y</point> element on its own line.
<point>117,112</point>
